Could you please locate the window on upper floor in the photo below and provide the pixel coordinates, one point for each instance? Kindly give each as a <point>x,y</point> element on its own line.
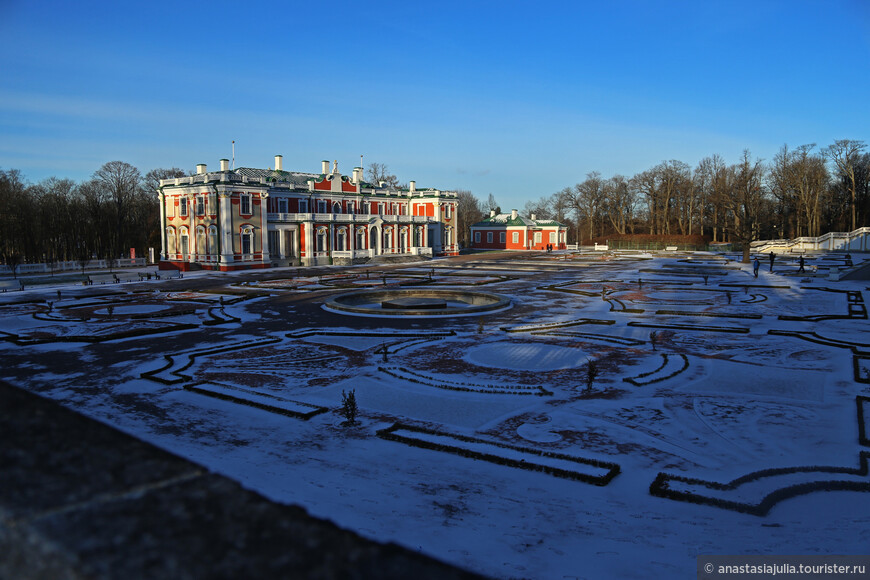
<point>321,206</point>
<point>182,206</point>
<point>245,204</point>
<point>282,205</point>
<point>303,206</point>
<point>200,205</point>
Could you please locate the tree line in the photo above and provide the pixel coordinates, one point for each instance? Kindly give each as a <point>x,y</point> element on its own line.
<point>804,191</point>
<point>60,220</point>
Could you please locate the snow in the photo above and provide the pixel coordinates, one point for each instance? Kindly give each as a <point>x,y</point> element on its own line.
<point>743,403</point>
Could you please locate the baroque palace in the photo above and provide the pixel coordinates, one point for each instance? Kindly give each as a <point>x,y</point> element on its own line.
<point>256,218</point>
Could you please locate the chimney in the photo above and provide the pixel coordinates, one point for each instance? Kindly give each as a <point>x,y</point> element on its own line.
<point>413,186</point>
<point>492,213</point>
<point>357,175</point>
<point>225,164</point>
<point>200,168</point>
<point>533,217</point>
<point>278,162</point>
<point>324,167</point>
<point>513,214</point>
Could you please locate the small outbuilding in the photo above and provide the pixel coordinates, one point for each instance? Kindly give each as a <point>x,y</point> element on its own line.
<point>510,231</point>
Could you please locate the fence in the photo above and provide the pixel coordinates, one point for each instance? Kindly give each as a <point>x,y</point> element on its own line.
<point>52,267</point>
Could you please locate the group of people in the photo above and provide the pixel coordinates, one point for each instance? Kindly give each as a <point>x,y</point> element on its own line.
<point>549,248</point>
<point>756,264</point>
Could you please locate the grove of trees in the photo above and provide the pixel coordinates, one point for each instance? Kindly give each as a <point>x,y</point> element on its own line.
<point>805,191</point>
<point>61,220</point>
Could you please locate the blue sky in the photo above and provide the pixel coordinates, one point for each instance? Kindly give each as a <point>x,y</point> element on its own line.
<point>517,99</point>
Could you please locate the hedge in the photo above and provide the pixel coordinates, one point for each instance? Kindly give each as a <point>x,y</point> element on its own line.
<point>660,487</point>
<point>613,469</point>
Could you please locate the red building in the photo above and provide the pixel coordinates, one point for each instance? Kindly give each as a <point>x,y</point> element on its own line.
<point>256,218</point>
<point>510,231</point>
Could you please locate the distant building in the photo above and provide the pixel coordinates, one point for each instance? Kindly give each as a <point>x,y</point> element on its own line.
<point>255,218</point>
<point>510,231</point>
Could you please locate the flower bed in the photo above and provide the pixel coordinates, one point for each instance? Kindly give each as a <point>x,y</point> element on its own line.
<point>776,484</point>
<point>671,366</point>
<point>418,378</point>
<point>557,464</point>
<point>259,400</point>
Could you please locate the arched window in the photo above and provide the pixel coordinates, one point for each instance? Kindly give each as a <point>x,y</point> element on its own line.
<point>247,238</point>
<point>201,250</point>
<point>171,242</point>
<point>388,238</point>
<point>183,242</point>
<point>360,238</point>
<point>212,248</point>
<point>336,207</point>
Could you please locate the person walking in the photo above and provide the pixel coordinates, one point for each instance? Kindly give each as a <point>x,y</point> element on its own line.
<point>772,256</point>
<point>755,266</point>
<point>801,264</point>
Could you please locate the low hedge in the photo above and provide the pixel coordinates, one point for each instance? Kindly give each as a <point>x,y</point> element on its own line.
<point>613,469</point>
<point>660,487</point>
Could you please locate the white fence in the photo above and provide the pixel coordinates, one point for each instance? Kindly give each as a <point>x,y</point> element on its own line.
<point>856,241</point>
<point>72,266</point>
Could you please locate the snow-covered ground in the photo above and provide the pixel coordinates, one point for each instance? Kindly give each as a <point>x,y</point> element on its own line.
<point>702,381</point>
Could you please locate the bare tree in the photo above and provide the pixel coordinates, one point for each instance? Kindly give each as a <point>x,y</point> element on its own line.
<point>379,172</point>
<point>121,183</point>
<point>151,181</point>
<point>468,213</point>
<point>540,208</point>
<point>746,199</point>
<point>491,204</point>
<point>845,154</point>
<point>588,198</point>
<point>619,201</point>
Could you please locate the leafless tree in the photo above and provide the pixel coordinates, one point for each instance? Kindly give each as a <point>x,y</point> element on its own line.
<point>468,213</point>
<point>379,172</point>
<point>746,199</point>
<point>845,154</point>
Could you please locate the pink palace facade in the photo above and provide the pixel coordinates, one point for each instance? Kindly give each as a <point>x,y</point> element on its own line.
<point>256,218</point>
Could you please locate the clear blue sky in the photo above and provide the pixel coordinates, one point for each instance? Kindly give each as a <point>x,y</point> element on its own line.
<point>518,99</point>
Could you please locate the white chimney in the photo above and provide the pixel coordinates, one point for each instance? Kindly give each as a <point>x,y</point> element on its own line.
<point>200,168</point>
<point>533,217</point>
<point>357,175</point>
<point>324,167</point>
<point>225,164</point>
<point>492,213</point>
<point>413,186</point>
<point>513,214</point>
<point>278,162</point>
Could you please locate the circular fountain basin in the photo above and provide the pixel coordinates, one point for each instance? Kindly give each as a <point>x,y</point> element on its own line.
<point>416,302</point>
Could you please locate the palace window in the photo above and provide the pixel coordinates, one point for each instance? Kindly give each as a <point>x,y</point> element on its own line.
<point>182,206</point>
<point>200,205</point>
<point>245,204</point>
<point>247,241</point>
<point>321,206</point>
<point>303,206</point>
<point>282,205</point>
